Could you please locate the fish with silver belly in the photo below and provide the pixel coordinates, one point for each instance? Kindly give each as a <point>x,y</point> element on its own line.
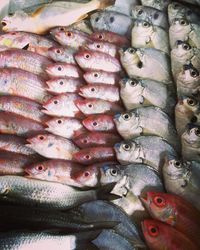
<point>157,4</point>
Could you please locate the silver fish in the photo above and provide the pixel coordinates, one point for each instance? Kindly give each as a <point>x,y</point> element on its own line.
<point>157,4</point>
<point>124,7</point>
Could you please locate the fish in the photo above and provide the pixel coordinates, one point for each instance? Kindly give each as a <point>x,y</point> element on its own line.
<point>146,35</point>
<point>52,146</point>
<point>138,92</point>
<point>159,235</point>
<point>99,91</point>
<point>21,83</point>
<point>46,194</point>
<point>63,70</point>
<point>160,5</point>
<point>83,25</point>
<point>29,41</point>
<point>101,77</point>
<point>17,125</point>
<point>95,60</point>
<point>175,211</point>
<point>54,14</point>
<point>66,127</point>
<point>25,60</point>
<point>182,178</point>
<point>125,7</point>
<point>94,155</point>
<point>97,106</point>
<point>95,139</point>
<point>146,121</point>
<point>99,123</point>
<point>149,150</point>
<point>22,106</point>
<point>64,85</point>
<point>62,105</point>
<point>181,29</point>
<point>138,63</point>
<point>154,16</point>
<point>62,54</point>
<point>112,21</point>
<point>111,37</point>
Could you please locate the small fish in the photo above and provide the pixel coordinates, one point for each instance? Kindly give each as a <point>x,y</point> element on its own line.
<point>54,14</point>
<point>99,91</point>
<point>62,54</point>
<point>94,155</point>
<point>62,105</point>
<point>111,21</point>
<point>95,60</point>
<point>139,63</point>
<point>101,77</point>
<point>159,235</point>
<point>52,146</point>
<point>95,139</point>
<point>64,85</point>
<point>157,4</point>
<point>99,123</point>
<point>63,70</point>
<point>66,127</point>
<point>105,47</point>
<point>97,106</point>
<point>146,35</point>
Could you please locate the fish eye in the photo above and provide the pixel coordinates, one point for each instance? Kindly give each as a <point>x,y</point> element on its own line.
<point>159,201</point>
<point>69,34</point>
<point>193,119</point>
<point>113,172</point>
<point>59,68</point>
<point>85,141</point>
<point>133,82</point>
<point>191,102</point>
<point>41,137</point>
<point>153,231</point>
<point>176,6</point>
<point>194,73</point>
<point>112,19</point>
<point>131,50</point>
<point>96,75</point>
<point>197,132</point>
<point>126,147</point>
<point>186,46</point>
<point>156,15</point>
<point>87,157</point>
<point>100,36</point>
<point>126,117</point>
<point>58,51</point>
<point>10,14</point>
<point>92,89</point>
<point>140,65</point>
<point>61,82</point>
<point>56,102</point>
<point>140,12</point>
<point>40,168</point>
<point>96,19</point>
<point>98,46</point>
<point>145,24</point>
<point>59,121</point>
<point>94,124</point>
<point>183,22</point>
<point>90,105</point>
<point>177,164</point>
<point>87,56</point>
<point>3,23</point>
<point>86,174</point>
<point>61,29</point>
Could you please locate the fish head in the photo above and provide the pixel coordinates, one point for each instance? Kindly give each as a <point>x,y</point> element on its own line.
<point>191,104</point>
<point>38,142</point>
<point>55,30</point>
<point>182,50</point>
<point>85,58</point>
<point>57,53</point>
<point>133,86</point>
<point>56,124</point>
<point>173,167</point>
<point>83,140</point>
<point>94,76</point>
<point>89,91</point>
<point>189,74</point>
<point>52,105</point>
<point>92,106</point>
<point>180,25</point>
<point>39,170</point>
<point>157,4</point>
<point>98,20</point>
<point>110,173</point>
<point>175,10</point>
<point>138,12</point>
<point>192,134</point>
<point>56,84</point>
<point>99,122</point>
<point>14,40</point>
<point>129,55</point>
<point>84,156</point>
<point>13,22</point>
<point>143,26</point>
<point>55,69</point>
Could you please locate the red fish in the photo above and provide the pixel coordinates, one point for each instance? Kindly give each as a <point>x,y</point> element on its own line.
<point>63,70</point>
<point>101,77</point>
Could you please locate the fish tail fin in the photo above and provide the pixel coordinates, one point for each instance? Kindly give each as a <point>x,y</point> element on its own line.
<point>105,3</point>
<point>103,193</point>
<point>83,240</point>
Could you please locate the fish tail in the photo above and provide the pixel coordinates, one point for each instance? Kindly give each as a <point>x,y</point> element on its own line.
<point>105,3</point>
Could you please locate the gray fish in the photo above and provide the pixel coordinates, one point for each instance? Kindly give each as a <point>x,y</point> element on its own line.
<point>124,6</point>
<point>157,4</point>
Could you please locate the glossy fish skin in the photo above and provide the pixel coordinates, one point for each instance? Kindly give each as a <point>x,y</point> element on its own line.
<point>62,54</point>
<point>52,146</point>
<point>105,47</point>
<point>146,35</point>
<point>149,150</point>
<point>95,60</point>
<point>99,123</point>
<point>63,70</point>
<point>101,77</point>
<point>159,235</point>
<point>23,84</point>
<point>97,106</point>
<point>151,15</point>
<point>111,21</point>
<point>66,127</point>
<point>175,211</point>
<point>160,5</point>
<point>62,85</point>
<point>182,178</point>
<point>94,155</point>
<point>62,105</point>
<point>139,63</point>
<point>94,139</point>
<point>22,106</point>
<point>99,91</point>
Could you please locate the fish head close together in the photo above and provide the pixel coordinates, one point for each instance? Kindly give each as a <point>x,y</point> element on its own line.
<point>39,170</point>
<point>173,167</point>
<point>110,173</point>
<point>192,134</point>
<point>182,49</point>
<point>180,26</point>
<point>13,22</point>
<point>129,55</point>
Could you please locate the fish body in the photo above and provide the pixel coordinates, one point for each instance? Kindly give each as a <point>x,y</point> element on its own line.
<point>125,7</point>
<point>62,54</point>
<point>160,4</point>
<point>101,77</point>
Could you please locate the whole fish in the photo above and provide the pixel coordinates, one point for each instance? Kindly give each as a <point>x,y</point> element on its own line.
<point>62,54</point>
<point>151,15</point>
<point>17,125</point>
<point>100,123</point>
<point>66,127</point>
<point>26,60</point>
<point>63,70</point>
<point>94,139</point>
<point>94,155</point>
<point>52,146</point>
<point>182,178</point>
<point>111,21</point>
<point>103,92</point>
<point>51,15</point>
<point>105,47</point>
<point>159,235</point>
<point>62,105</point>
<point>123,7</point>
<point>146,35</point>
<point>63,85</point>
<point>139,63</point>
<point>149,150</point>
<point>22,106</point>
<point>183,30</point>
<point>97,106</point>
<point>95,60</point>
<point>23,84</point>
<point>146,121</point>
<point>137,92</point>
<point>175,211</point>
<point>160,4</point>
<point>101,77</point>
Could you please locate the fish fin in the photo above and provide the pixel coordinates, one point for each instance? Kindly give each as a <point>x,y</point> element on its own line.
<point>37,11</point>
<point>82,17</point>
<point>104,192</point>
<point>105,3</point>
<point>83,240</point>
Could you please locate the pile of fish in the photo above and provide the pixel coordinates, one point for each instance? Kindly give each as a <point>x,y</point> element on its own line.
<point>100,126</point>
